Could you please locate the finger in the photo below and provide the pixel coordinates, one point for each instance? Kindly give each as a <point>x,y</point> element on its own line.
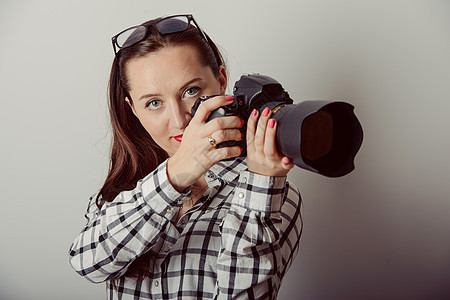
<point>270,145</point>
<point>219,154</point>
<point>251,128</point>
<point>287,163</point>
<point>223,123</point>
<point>207,106</point>
<point>261,129</point>
<point>226,135</point>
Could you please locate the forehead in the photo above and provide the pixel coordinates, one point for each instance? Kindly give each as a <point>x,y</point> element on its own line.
<point>167,68</point>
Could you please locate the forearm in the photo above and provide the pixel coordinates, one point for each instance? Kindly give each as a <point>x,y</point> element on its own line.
<point>254,236</point>
<point>125,228</point>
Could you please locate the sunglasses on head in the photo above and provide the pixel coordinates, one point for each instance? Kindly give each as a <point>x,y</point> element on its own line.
<point>167,25</point>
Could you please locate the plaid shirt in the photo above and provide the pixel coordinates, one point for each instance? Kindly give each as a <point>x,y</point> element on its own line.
<point>237,241</point>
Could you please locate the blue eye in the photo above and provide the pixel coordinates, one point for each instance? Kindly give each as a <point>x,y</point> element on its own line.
<point>192,91</point>
<point>153,104</point>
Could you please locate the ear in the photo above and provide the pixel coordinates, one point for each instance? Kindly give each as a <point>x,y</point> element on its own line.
<point>131,106</point>
<point>223,80</point>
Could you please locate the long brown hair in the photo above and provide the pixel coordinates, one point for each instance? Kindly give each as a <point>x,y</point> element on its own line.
<point>134,154</point>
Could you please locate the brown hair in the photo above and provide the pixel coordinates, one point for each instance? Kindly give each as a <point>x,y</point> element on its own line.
<point>134,154</point>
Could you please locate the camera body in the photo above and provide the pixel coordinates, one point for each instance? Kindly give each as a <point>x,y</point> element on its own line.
<point>319,136</point>
<point>250,92</point>
<point>236,108</point>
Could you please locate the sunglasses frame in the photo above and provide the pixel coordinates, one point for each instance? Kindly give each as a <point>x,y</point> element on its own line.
<point>189,17</point>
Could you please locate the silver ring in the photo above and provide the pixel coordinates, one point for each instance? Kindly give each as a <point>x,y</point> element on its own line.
<point>211,141</point>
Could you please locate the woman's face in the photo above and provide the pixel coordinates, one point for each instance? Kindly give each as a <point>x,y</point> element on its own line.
<point>164,85</point>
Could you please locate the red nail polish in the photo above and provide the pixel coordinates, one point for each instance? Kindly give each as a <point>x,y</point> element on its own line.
<point>229,98</point>
<point>242,123</point>
<point>265,111</point>
<point>254,112</point>
<point>242,149</point>
<point>271,123</point>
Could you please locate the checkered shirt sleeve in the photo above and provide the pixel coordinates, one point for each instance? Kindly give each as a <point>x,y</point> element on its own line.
<point>125,228</point>
<point>259,237</point>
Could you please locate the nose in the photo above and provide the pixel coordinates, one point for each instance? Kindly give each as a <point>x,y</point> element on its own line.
<point>180,115</point>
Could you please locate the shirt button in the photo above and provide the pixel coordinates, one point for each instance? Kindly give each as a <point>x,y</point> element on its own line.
<point>241,195</point>
<point>210,176</point>
<point>244,179</point>
<point>166,249</point>
<point>156,283</point>
<point>182,221</point>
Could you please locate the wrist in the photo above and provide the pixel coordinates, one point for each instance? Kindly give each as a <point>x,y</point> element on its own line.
<point>268,172</point>
<point>179,179</point>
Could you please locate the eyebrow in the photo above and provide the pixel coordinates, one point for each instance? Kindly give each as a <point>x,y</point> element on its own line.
<point>146,96</point>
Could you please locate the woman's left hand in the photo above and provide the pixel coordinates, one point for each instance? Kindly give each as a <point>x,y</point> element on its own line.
<point>262,154</point>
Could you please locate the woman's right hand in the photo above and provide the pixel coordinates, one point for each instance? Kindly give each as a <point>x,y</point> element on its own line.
<point>195,154</point>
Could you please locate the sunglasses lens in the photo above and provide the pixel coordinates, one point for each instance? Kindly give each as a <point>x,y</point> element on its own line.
<point>171,25</point>
<point>131,36</point>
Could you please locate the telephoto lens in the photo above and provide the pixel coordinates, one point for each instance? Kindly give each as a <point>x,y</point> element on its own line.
<point>317,135</point>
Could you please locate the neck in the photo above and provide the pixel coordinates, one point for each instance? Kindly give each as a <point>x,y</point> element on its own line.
<point>200,184</point>
<point>199,188</point>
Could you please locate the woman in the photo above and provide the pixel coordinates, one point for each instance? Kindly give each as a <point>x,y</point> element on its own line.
<point>178,217</point>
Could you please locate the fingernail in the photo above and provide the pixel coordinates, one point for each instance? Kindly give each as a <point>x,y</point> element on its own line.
<point>265,111</point>
<point>229,98</point>
<point>242,122</point>
<point>271,123</point>
<point>242,136</point>
<point>254,112</point>
<point>242,149</point>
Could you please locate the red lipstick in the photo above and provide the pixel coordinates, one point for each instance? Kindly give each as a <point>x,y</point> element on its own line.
<point>178,138</point>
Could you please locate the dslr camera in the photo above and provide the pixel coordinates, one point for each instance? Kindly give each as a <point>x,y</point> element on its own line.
<point>319,136</point>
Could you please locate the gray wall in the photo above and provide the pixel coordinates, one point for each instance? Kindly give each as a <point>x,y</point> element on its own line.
<point>382,232</point>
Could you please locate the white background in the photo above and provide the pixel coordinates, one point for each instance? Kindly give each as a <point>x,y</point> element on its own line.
<point>381,232</point>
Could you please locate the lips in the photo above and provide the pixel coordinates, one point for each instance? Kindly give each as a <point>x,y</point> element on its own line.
<point>178,138</point>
